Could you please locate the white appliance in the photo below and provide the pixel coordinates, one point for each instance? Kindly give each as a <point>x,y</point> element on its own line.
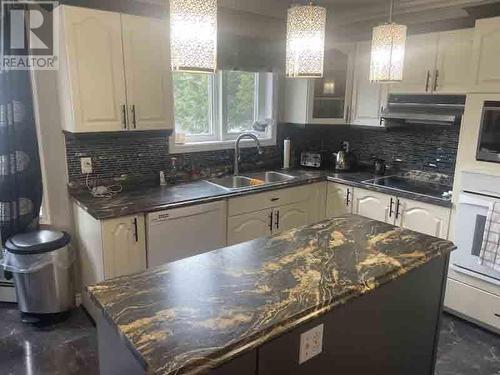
<point>473,290</point>
<point>183,232</point>
<point>479,191</point>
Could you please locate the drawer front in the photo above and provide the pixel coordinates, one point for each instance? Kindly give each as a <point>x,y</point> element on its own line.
<point>472,302</point>
<point>270,199</point>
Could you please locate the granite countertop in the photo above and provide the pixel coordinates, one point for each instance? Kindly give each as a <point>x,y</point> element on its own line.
<point>164,197</point>
<point>200,312</point>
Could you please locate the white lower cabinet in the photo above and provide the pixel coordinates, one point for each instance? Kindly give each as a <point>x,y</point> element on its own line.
<point>405,213</point>
<point>423,217</point>
<point>268,213</point>
<point>249,226</point>
<point>109,248</point>
<point>339,199</point>
<point>374,205</point>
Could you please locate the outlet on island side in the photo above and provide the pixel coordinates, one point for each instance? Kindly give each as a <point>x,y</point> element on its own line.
<point>311,343</point>
<point>86,165</point>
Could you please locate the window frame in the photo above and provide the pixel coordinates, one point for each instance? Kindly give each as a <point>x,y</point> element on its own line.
<point>265,106</point>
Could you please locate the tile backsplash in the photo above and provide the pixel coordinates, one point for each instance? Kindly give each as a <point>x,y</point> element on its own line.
<point>141,155</point>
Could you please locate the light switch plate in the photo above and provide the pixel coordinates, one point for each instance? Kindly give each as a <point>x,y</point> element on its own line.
<point>311,343</point>
<point>86,165</point>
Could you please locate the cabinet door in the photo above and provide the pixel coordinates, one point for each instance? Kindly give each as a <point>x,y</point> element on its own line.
<point>292,216</point>
<point>486,56</point>
<point>367,96</point>
<point>373,205</point>
<point>423,217</point>
<point>330,96</point>
<point>419,64</point>
<point>249,226</point>
<point>147,71</point>
<point>339,199</point>
<point>454,61</point>
<point>124,246</point>
<point>94,59</point>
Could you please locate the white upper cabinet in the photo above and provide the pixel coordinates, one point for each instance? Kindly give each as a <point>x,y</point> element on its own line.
<point>114,72</point>
<point>419,64</point>
<point>368,98</point>
<point>324,100</point>
<point>454,61</point>
<point>147,72</point>
<point>437,63</point>
<point>486,56</point>
<point>93,78</point>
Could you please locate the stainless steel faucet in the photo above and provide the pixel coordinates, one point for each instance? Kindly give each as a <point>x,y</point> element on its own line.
<point>237,156</point>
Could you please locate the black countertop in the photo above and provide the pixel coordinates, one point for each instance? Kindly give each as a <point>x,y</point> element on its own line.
<point>200,312</point>
<point>164,197</point>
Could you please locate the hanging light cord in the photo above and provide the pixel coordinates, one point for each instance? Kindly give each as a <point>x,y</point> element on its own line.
<point>391,11</point>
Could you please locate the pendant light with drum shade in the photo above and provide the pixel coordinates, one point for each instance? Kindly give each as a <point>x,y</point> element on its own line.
<point>305,41</point>
<point>193,35</point>
<point>388,51</point>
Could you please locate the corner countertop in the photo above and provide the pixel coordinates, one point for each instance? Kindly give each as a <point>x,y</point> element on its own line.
<point>157,198</point>
<point>200,312</point>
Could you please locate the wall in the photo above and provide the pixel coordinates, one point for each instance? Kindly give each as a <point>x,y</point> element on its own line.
<point>422,147</point>
<point>141,156</point>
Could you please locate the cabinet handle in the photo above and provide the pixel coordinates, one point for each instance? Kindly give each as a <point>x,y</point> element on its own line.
<point>427,80</point>
<point>136,233</point>
<point>347,201</point>
<point>390,207</point>
<point>274,199</point>
<point>398,204</point>
<point>124,116</point>
<point>134,122</point>
<point>436,77</point>
<point>277,220</point>
<point>271,221</point>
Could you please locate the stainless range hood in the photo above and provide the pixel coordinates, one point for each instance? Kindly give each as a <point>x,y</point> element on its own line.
<point>424,109</point>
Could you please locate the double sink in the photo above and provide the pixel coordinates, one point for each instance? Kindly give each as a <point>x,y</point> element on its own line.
<point>250,180</point>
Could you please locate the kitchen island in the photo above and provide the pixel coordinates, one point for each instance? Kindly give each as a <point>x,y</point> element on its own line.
<point>376,289</point>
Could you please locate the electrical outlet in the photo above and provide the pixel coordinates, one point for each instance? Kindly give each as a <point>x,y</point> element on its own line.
<point>311,343</point>
<point>86,164</point>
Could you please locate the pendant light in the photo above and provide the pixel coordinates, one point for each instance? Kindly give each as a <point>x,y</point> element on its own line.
<point>388,51</point>
<point>193,35</point>
<point>305,41</point>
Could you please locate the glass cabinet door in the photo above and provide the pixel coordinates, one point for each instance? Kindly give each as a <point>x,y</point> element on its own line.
<point>329,92</point>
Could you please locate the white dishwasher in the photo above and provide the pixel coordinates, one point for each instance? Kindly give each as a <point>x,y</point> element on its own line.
<point>183,232</point>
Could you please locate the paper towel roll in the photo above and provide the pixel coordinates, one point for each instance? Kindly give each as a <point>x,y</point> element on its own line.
<point>286,154</point>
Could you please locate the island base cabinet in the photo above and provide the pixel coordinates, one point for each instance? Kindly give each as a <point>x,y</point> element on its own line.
<point>393,330</point>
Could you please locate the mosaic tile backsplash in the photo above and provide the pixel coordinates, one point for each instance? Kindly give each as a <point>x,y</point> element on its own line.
<point>140,156</point>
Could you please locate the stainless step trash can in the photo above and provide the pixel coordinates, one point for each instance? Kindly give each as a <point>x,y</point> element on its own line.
<point>40,262</point>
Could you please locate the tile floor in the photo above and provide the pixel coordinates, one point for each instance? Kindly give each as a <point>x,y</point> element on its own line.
<point>70,347</point>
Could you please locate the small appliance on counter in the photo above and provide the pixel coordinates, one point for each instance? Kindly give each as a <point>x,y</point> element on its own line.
<point>314,159</point>
<point>344,159</point>
<point>379,167</point>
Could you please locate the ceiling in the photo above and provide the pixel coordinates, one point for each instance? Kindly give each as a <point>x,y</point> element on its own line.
<point>353,19</point>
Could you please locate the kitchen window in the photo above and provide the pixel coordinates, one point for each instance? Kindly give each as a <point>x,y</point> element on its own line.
<point>212,110</point>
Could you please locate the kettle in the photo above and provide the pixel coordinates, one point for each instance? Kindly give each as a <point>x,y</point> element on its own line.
<point>344,159</point>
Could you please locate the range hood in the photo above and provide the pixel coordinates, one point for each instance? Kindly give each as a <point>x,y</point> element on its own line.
<point>424,109</point>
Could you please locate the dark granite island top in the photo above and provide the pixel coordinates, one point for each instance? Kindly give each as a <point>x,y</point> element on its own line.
<point>201,312</point>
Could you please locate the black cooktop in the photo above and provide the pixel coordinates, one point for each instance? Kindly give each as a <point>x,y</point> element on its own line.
<point>415,186</point>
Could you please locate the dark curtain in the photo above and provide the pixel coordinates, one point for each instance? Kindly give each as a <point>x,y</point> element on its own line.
<point>20,174</point>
